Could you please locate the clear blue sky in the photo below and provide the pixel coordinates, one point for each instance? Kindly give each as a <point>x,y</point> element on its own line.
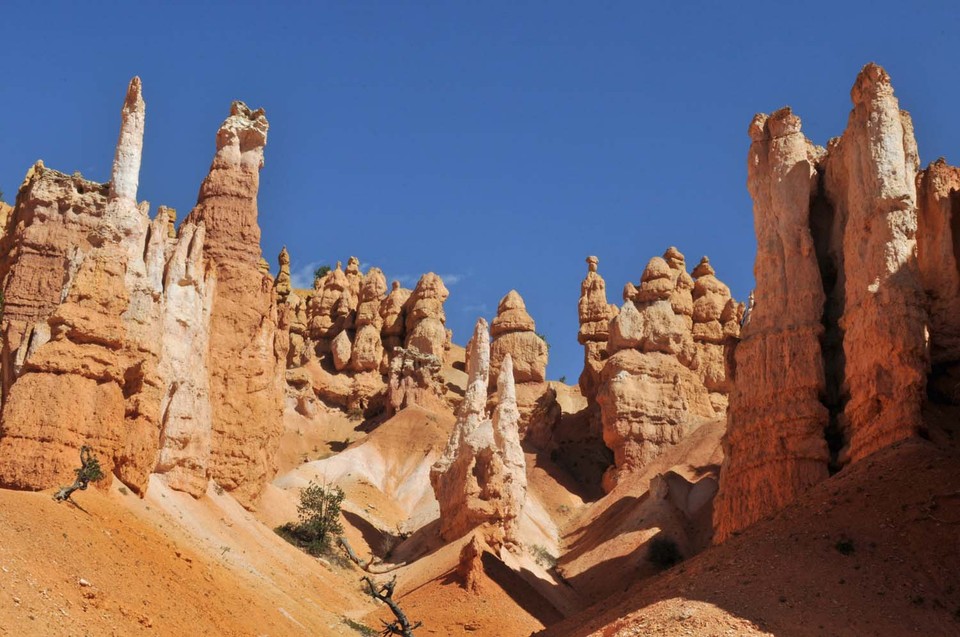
<point>495,143</point>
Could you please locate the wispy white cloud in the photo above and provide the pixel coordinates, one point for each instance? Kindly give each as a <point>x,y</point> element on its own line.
<point>302,277</point>
<point>476,308</point>
<point>452,279</point>
<point>406,280</point>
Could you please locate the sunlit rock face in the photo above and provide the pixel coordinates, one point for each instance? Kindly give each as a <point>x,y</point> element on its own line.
<point>665,371</point>
<point>480,480</point>
<point>775,446</point>
<point>246,373</point>
<point>109,324</point>
<point>832,368</point>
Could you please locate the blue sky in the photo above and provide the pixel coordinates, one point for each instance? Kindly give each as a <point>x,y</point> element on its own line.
<point>497,143</point>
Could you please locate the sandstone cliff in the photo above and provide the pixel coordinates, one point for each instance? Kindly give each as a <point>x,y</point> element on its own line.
<point>245,372</point>
<point>108,319</point>
<point>775,446</point>
<point>834,360</point>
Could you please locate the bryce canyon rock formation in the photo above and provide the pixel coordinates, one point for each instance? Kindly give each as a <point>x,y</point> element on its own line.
<point>833,364</point>
<point>245,370</point>
<point>481,477</point>
<point>106,314</point>
<point>513,333</point>
<point>775,445</point>
<point>155,345</point>
<point>663,363</point>
<point>595,314</point>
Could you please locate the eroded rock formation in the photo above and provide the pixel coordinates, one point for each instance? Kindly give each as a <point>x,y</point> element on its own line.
<point>833,367</point>
<point>481,477</point>
<point>938,255</point>
<point>775,446</point>
<point>665,369</point>
<point>425,317</point>
<point>870,176</point>
<point>368,353</point>
<point>514,334</point>
<point>595,314</point>
<point>109,319</point>
<point>245,373</point>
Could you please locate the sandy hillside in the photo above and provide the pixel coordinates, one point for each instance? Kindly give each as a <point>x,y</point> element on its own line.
<point>168,565</point>
<point>872,551</point>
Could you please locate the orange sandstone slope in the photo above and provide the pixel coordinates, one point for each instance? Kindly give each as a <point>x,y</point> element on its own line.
<point>123,566</point>
<point>871,551</point>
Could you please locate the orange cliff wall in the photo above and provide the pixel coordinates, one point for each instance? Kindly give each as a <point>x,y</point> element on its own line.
<point>857,291</point>
<point>108,318</point>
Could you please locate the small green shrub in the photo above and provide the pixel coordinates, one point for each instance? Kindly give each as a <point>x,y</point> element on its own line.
<point>663,552</point>
<point>845,546</point>
<point>544,339</point>
<point>320,272</point>
<point>543,557</point>
<point>88,472</point>
<point>366,631</point>
<point>319,523</point>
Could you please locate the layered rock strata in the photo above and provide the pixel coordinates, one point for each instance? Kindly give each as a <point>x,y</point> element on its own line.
<point>246,392</point>
<point>774,447</point>
<point>659,382</point>
<point>481,477</point>
<point>833,368</point>
<point>100,293</point>
<point>514,334</point>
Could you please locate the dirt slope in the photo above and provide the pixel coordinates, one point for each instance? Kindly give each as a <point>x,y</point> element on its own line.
<point>123,566</point>
<point>872,551</point>
<point>606,543</point>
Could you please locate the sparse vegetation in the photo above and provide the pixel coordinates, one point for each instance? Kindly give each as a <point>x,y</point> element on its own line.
<point>562,379</point>
<point>319,523</point>
<point>88,472</point>
<point>364,630</point>
<point>844,546</point>
<point>543,557</point>
<point>544,339</point>
<point>320,272</point>
<point>663,552</point>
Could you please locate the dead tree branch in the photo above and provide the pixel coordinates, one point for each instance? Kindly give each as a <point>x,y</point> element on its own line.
<point>384,593</point>
<point>371,566</point>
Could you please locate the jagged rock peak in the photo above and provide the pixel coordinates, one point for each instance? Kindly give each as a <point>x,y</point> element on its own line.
<point>478,369</point>
<point>282,285</point>
<point>126,161</point>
